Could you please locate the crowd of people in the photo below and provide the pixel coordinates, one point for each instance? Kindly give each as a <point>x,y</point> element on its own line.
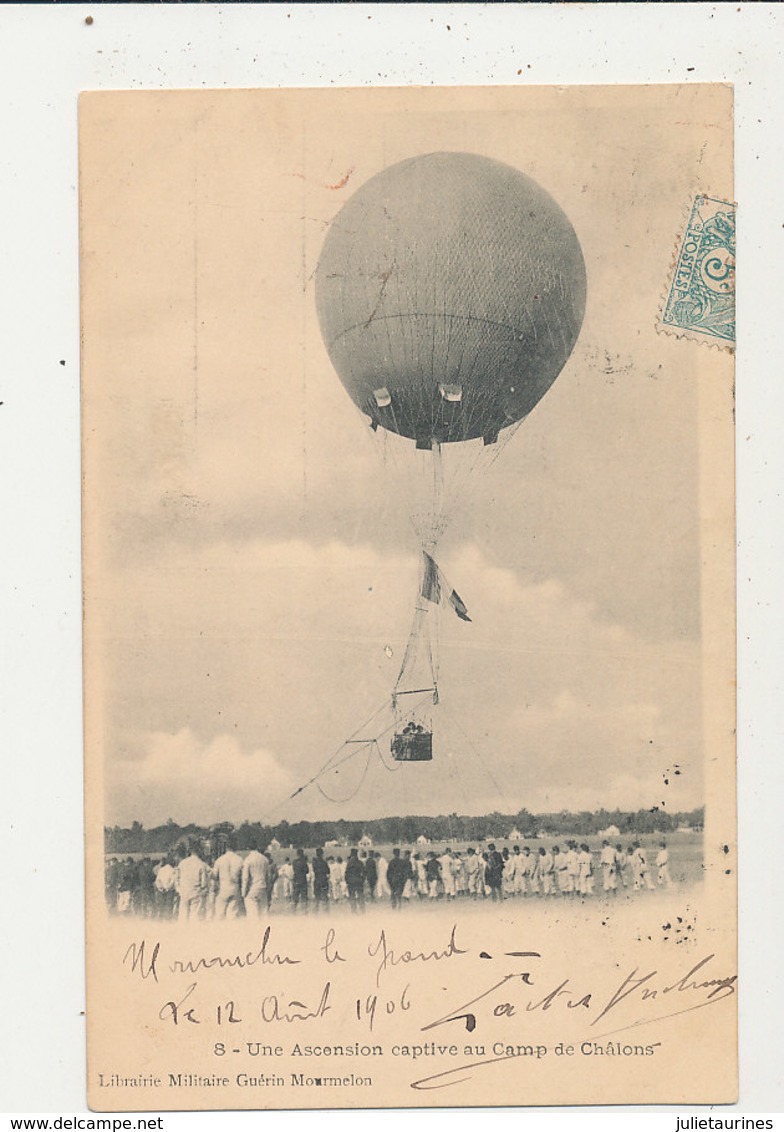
<point>192,883</point>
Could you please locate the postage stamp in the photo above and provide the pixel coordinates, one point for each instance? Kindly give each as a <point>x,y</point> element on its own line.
<point>700,302</point>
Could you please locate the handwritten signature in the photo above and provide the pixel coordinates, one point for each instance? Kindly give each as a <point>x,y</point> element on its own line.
<point>501,1001</point>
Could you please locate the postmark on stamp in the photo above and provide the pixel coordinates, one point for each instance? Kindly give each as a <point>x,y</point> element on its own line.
<point>700,300</point>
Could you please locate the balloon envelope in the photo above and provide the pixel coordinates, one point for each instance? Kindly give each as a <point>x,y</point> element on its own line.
<point>450,293</point>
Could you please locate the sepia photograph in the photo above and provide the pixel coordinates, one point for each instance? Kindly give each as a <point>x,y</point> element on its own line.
<point>408,528</point>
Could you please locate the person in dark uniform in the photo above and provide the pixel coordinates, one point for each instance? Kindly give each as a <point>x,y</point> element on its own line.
<point>144,892</point>
<point>371,874</point>
<point>433,874</point>
<point>320,881</point>
<point>299,886</point>
<point>126,886</point>
<point>494,876</point>
<point>111,883</point>
<point>397,875</point>
<point>355,882</point>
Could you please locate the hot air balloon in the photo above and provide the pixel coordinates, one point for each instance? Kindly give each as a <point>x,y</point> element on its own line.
<point>450,293</point>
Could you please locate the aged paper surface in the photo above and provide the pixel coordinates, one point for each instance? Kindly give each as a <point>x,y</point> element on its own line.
<point>528,293</point>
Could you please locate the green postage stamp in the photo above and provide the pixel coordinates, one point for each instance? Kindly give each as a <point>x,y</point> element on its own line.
<point>701,296</point>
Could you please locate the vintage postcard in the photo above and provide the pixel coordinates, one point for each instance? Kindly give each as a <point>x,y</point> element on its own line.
<point>409,596</point>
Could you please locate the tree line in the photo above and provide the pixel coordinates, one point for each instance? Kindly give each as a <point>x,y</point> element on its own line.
<point>403,830</point>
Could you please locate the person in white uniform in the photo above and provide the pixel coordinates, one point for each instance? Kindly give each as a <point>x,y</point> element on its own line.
<point>335,877</point>
<point>607,860</point>
<point>663,865</point>
<point>640,867</point>
<point>573,866</point>
<point>547,871</point>
<point>518,869</point>
<point>382,888</point>
<point>254,884</point>
<point>474,882</point>
<point>585,875</point>
<point>227,872</point>
<point>285,880</point>
<point>532,874</point>
<point>193,882</point>
<point>447,863</point>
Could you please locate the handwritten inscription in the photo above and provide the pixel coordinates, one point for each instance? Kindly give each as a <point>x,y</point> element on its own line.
<point>390,958</point>
<point>376,987</point>
<point>264,955</point>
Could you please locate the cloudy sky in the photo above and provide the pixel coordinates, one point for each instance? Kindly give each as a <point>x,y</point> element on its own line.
<point>250,567</point>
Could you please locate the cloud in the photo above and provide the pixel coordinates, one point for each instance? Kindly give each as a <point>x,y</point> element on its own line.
<point>576,707</point>
<point>180,777</point>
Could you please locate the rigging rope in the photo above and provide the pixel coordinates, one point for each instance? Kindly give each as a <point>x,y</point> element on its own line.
<point>341,801</point>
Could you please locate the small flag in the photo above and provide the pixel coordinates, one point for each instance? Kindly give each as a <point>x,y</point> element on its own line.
<point>431,582</point>
<point>434,585</point>
<point>458,605</point>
